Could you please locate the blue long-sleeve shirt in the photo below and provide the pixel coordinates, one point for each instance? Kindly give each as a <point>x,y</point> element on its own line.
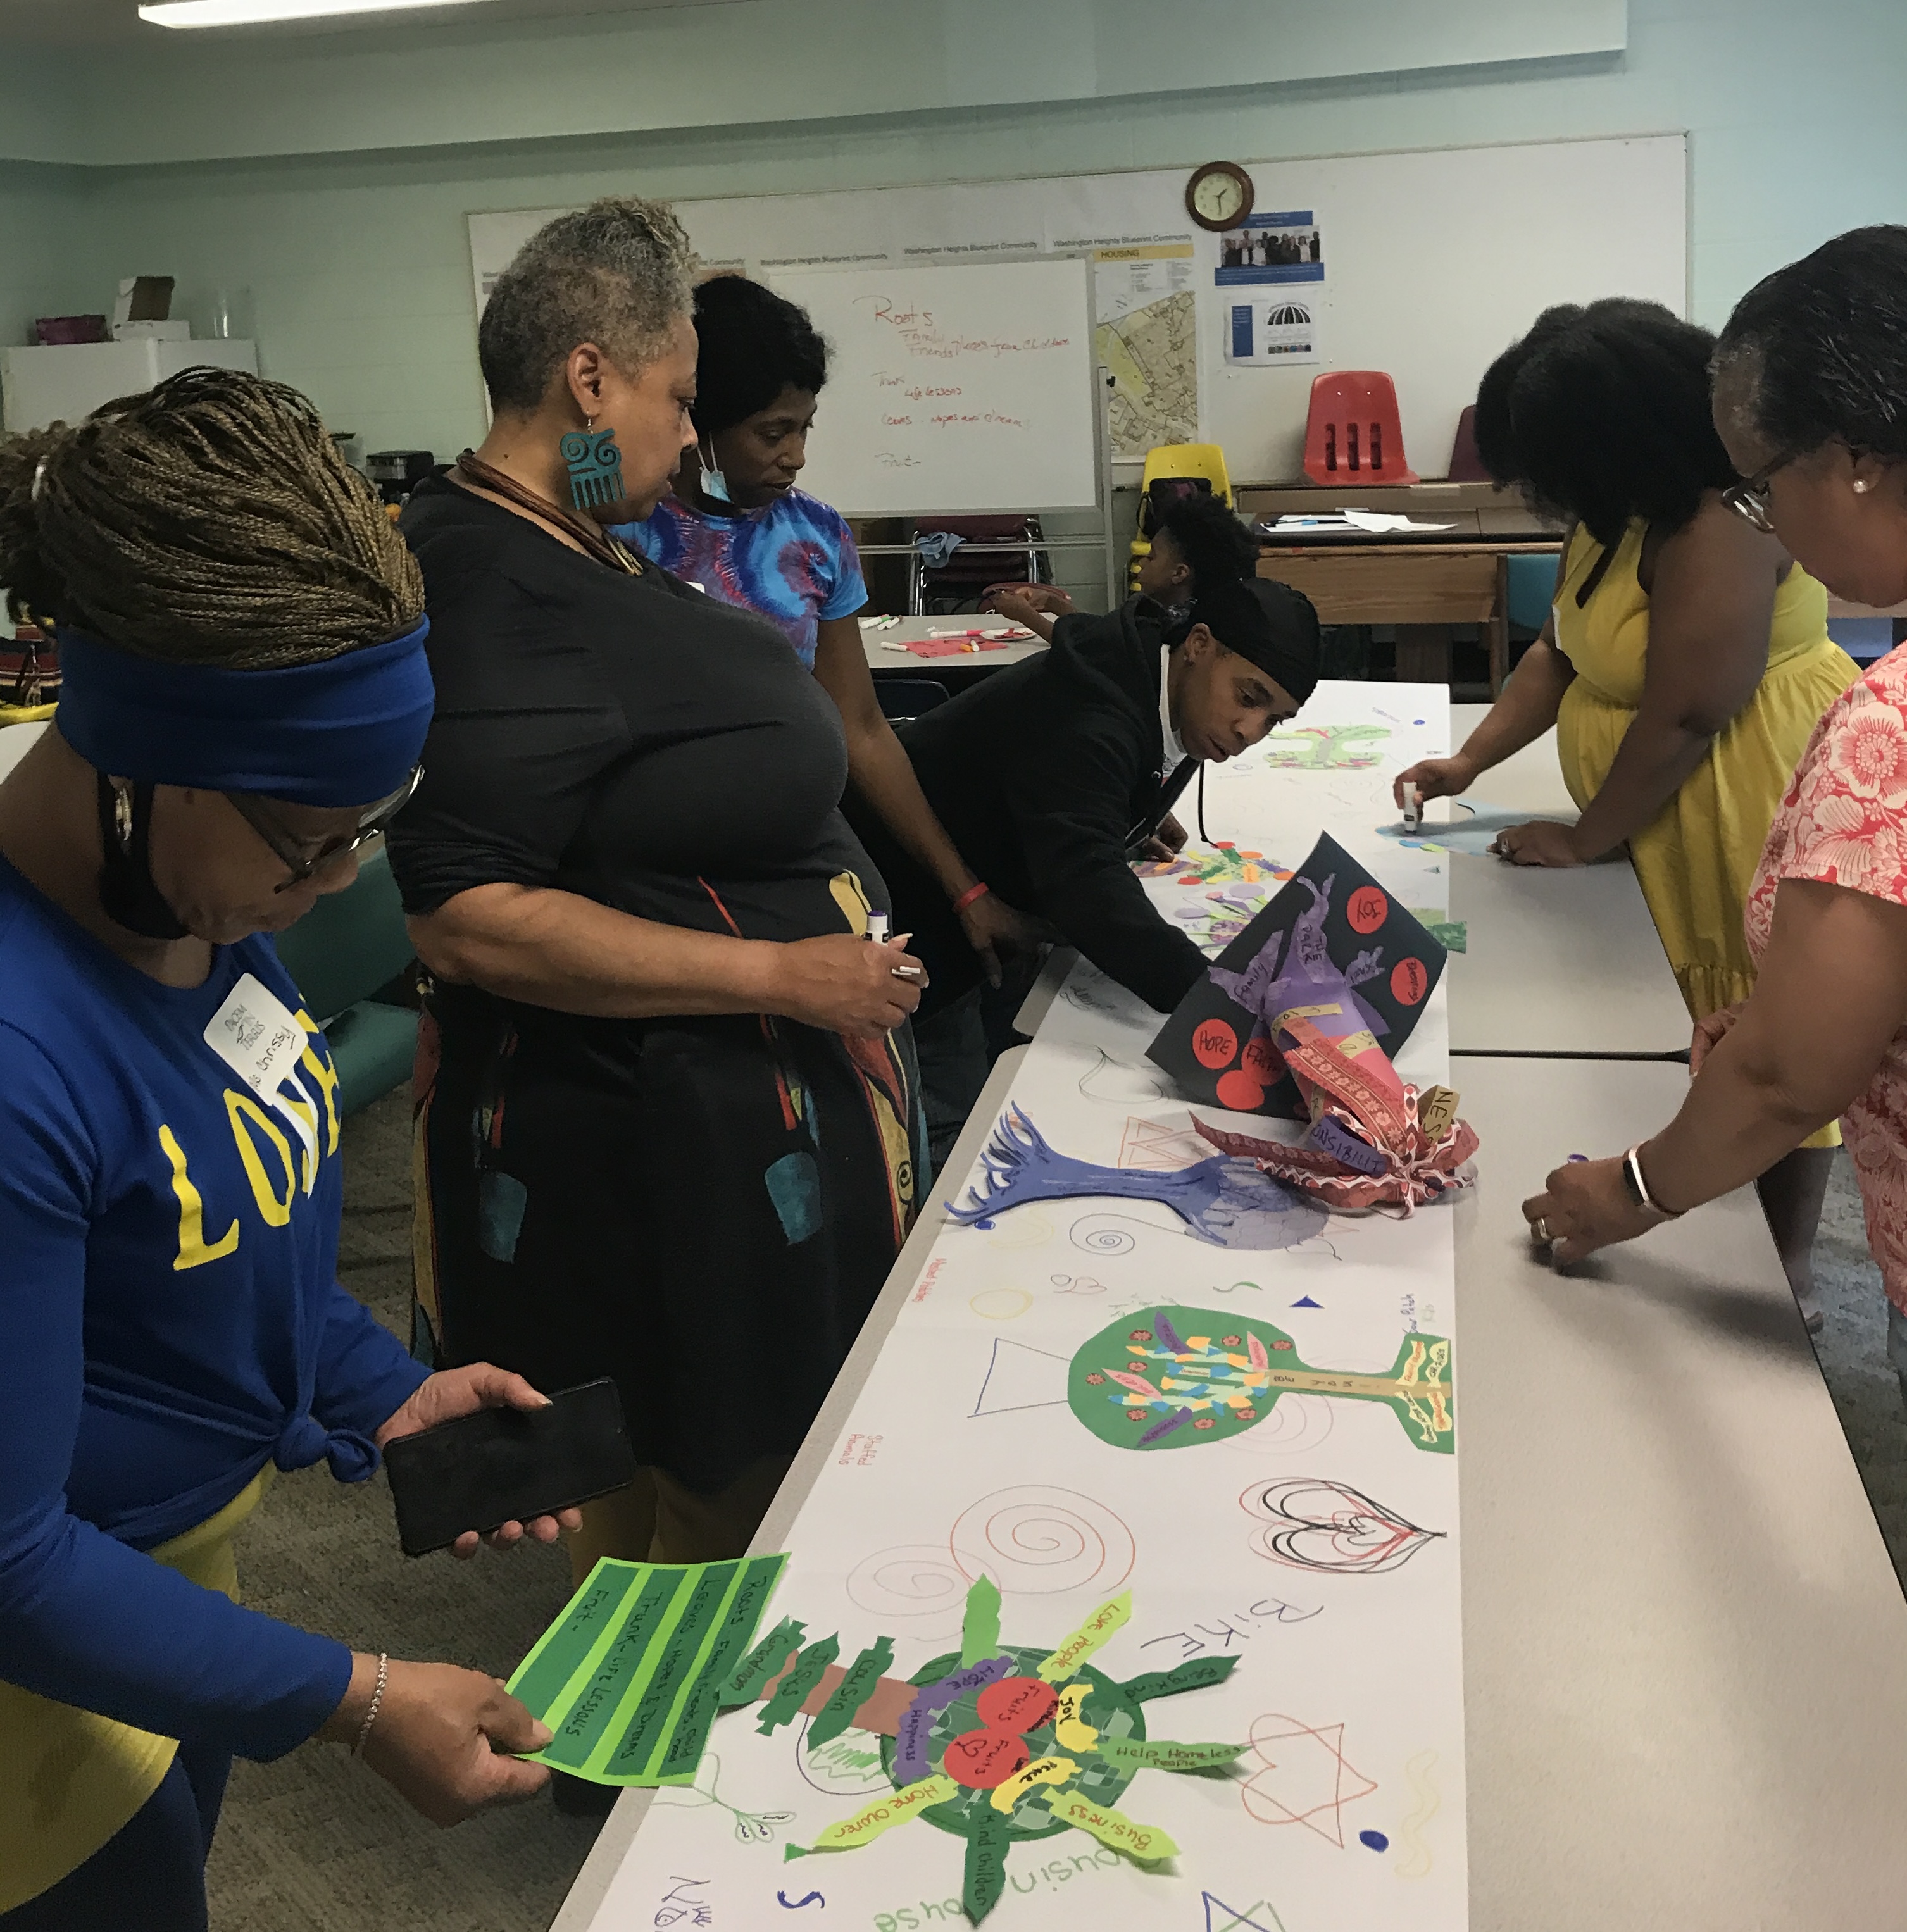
<point>170,1321</point>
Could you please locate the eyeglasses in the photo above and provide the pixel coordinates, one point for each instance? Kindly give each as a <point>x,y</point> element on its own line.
<point>293,851</point>
<point>1749,499</point>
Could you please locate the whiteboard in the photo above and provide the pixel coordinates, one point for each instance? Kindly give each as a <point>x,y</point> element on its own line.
<point>952,389</point>
<point>1436,258</point>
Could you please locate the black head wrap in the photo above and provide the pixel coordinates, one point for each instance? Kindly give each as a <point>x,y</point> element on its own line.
<point>1273,625</point>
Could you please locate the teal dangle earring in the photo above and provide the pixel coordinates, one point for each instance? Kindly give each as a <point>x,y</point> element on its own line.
<point>595,465</point>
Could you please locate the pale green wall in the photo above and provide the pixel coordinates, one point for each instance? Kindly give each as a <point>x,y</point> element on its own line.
<point>359,272</point>
<point>42,272</point>
<point>396,82</point>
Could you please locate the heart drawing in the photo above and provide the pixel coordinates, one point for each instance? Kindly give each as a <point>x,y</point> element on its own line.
<point>1313,1523</point>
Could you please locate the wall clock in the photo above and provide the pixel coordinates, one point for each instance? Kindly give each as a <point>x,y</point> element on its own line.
<point>1219,195</point>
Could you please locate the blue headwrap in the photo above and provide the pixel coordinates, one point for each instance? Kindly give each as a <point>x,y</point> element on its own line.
<point>345,730</point>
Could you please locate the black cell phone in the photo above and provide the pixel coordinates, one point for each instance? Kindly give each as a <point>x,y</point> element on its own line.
<point>508,1465</point>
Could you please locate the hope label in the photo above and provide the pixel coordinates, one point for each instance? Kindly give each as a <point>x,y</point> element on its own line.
<point>1214,1044</point>
<point>1410,981</point>
<point>1367,909</point>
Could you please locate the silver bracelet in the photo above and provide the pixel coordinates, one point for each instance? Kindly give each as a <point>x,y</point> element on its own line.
<point>376,1701</point>
<point>1638,1188</point>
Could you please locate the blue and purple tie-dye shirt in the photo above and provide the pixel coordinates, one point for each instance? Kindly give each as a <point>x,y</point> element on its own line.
<point>793,560</point>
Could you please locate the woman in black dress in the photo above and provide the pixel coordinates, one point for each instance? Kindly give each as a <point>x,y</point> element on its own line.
<point>667,1118</point>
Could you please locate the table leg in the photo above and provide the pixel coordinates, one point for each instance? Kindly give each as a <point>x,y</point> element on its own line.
<point>1496,630</point>
<point>1423,653</point>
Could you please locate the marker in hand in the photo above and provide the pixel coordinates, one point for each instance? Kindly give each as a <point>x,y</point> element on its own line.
<point>1413,806</point>
<point>877,931</point>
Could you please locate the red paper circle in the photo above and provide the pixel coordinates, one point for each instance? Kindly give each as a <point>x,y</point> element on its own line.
<point>1368,910</point>
<point>1239,1091</point>
<point>1262,1060</point>
<point>1214,1043</point>
<point>1017,1704</point>
<point>1409,981</point>
<point>981,1759</point>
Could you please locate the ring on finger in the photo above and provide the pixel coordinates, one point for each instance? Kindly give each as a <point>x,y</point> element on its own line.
<point>1541,1231</point>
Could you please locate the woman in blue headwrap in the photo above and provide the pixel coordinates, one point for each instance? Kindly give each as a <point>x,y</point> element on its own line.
<point>246,697</point>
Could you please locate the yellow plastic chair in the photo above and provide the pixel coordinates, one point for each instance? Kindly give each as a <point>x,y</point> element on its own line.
<point>1168,463</point>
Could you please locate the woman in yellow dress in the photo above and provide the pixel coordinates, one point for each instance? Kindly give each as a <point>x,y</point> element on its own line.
<point>1686,662</point>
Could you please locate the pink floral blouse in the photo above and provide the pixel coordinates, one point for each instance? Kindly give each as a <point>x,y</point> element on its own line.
<point>1844,822</point>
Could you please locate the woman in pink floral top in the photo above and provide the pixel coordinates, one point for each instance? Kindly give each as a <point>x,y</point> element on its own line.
<point>1810,378</point>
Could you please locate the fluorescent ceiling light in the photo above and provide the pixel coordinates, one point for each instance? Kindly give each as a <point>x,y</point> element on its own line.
<point>249,12</point>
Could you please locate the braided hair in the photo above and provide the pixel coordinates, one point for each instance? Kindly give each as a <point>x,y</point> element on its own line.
<point>210,520</point>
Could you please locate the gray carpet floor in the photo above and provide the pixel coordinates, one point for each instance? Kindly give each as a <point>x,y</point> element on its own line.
<point>315,1843</point>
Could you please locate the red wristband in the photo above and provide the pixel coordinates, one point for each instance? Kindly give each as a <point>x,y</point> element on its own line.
<point>971,893</point>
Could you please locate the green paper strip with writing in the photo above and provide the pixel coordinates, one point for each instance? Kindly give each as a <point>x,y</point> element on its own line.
<point>881,1815</point>
<point>689,1728</point>
<point>1162,1754</point>
<point>1146,1842</point>
<point>850,1694</point>
<point>628,1675</point>
<point>1198,1675</point>
<point>1067,1657</point>
<point>979,1631</point>
<point>791,1693</point>
<point>986,1864</point>
<point>762,1662</point>
<point>563,1649</point>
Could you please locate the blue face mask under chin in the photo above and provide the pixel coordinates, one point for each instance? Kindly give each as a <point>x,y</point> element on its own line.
<point>714,484</point>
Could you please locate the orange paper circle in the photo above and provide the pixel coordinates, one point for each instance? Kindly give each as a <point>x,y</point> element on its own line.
<point>1368,910</point>
<point>982,1759</point>
<point>1214,1043</point>
<point>1239,1091</point>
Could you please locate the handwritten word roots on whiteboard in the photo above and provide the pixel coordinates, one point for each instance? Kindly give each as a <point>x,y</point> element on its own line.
<point>953,389</point>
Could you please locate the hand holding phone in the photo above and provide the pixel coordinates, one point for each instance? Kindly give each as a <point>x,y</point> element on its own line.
<point>478,1454</point>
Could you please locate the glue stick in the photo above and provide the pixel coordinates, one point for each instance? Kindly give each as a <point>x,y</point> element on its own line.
<point>1413,806</point>
<point>877,927</point>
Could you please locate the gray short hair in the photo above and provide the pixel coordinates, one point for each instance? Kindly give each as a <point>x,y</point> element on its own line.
<point>617,273</point>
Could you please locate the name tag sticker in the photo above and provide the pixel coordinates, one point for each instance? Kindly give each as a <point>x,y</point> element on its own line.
<point>257,1037</point>
<point>261,1041</point>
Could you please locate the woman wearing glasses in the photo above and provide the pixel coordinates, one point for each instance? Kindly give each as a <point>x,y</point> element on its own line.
<point>1686,660</point>
<point>1809,376</point>
<point>245,696</point>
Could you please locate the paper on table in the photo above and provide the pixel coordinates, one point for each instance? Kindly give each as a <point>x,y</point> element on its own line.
<point>629,1675</point>
<point>1473,833</point>
<point>1378,519</point>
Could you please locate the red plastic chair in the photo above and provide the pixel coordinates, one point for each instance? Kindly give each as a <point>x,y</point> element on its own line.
<point>1466,466</point>
<point>1352,434</point>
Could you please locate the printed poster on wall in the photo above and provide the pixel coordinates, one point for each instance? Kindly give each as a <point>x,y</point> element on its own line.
<point>1278,331</point>
<point>1280,248</point>
<point>1146,334</point>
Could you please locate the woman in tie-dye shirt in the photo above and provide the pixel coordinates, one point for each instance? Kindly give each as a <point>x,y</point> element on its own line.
<point>734,522</point>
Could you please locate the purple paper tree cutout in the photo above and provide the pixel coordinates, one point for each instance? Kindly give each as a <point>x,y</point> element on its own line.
<point>1229,1202</point>
<point>1311,977</point>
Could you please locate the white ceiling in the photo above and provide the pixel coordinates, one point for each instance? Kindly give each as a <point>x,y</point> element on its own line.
<point>102,23</point>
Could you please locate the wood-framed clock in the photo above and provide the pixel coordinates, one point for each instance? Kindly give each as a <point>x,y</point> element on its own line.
<point>1219,195</point>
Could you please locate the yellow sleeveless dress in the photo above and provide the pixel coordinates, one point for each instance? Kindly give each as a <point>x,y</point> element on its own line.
<point>1696,859</point>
